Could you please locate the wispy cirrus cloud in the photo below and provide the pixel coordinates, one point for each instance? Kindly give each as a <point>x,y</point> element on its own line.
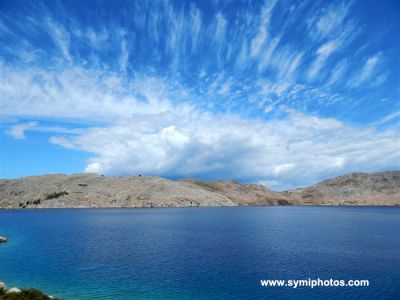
<point>366,71</point>
<point>18,131</point>
<point>323,54</point>
<point>328,22</point>
<point>337,73</point>
<point>334,27</point>
<point>124,58</point>
<point>60,37</point>
<point>389,118</point>
<point>259,41</point>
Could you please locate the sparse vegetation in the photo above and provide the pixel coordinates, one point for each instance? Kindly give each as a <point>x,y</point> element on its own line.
<point>27,203</point>
<point>208,186</point>
<point>56,195</point>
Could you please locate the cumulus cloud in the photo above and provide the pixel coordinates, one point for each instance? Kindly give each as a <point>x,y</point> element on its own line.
<point>293,151</point>
<point>18,131</point>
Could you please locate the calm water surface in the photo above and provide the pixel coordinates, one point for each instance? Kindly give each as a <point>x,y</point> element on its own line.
<point>201,253</point>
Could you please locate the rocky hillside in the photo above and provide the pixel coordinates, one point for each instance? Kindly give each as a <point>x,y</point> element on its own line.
<point>91,190</point>
<point>381,188</point>
<point>243,194</point>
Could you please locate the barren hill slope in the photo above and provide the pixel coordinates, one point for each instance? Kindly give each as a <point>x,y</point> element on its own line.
<point>382,188</point>
<point>244,194</point>
<point>91,190</point>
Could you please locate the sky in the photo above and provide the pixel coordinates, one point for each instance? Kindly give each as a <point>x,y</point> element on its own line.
<point>282,93</point>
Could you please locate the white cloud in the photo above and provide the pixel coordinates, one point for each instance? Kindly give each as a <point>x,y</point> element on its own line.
<point>329,21</point>
<point>265,56</point>
<point>270,88</point>
<point>195,18</point>
<point>389,118</point>
<point>296,150</point>
<point>257,43</point>
<point>88,95</point>
<point>18,131</point>
<point>124,59</point>
<point>338,72</point>
<point>226,87</point>
<point>220,27</point>
<point>151,127</point>
<point>323,53</point>
<point>268,109</point>
<point>367,70</point>
<point>60,37</point>
<point>334,26</point>
<point>369,66</point>
<point>286,63</point>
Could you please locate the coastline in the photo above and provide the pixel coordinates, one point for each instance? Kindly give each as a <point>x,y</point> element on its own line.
<point>196,207</point>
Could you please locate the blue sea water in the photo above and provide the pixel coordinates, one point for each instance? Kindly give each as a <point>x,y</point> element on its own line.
<point>201,253</point>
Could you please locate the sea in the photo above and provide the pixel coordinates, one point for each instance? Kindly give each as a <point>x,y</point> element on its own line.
<point>203,253</point>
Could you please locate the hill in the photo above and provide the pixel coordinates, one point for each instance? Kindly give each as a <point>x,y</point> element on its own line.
<point>91,190</point>
<point>381,188</point>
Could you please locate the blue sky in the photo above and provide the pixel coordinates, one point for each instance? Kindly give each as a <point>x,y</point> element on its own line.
<point>282,93</point>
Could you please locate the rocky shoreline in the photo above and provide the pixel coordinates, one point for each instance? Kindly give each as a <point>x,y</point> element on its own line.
<point>22,294</point>
<point>97,191</point>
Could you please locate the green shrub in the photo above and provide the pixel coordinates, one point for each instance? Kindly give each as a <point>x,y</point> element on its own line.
<point>28,294</point>
<point>56,195</point>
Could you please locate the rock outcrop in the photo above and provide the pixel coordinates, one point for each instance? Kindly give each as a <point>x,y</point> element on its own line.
<point>91,190</point>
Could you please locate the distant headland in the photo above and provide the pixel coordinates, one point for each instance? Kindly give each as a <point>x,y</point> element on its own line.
<point>95,191</point>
